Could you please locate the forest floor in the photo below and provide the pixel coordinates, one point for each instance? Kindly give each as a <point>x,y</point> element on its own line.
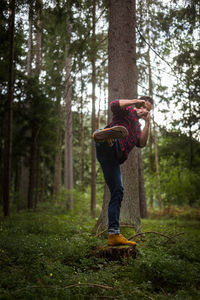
<point>47,254</point>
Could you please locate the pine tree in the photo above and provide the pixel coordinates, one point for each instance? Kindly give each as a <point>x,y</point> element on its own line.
<point>123,84</point>
<point>9,115</point>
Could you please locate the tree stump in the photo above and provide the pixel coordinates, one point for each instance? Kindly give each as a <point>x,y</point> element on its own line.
<point>110,253</point>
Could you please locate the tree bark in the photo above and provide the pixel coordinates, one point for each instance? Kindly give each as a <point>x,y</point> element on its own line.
<point>68,157</point>
<point>82,140</point>
<point>24,179</point>
<point>154,126</point>
<point>123,84</point>
<point>93,153</point>
<point>157,164</point>
<point>151,166</point>
<point>143,203</point>
<point>30,42</point>
<point>9,115</point>
<point>57,181</point>
<point>35,130</point>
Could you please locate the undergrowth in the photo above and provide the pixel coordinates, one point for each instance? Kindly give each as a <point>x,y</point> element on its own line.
<point>47,254</point>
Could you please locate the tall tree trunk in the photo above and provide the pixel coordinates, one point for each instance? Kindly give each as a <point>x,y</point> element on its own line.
<point>30,42</point>
<point>24,179</point>
<point>82,140</point>
<point>123,84</point>
<point>39,38</point>
<point>68,158</point>
<point>93,153</point>
<point>57,181</point>
<point>32,174</point>
<point>151,166</point>
<point>151,94</point>
<point>154,126</point>
<point>9,115</point>
<point>35,130</point>
<point>142,194</point>
<point>99,109</point>
<point>157,164</point>
<point>43,180</point>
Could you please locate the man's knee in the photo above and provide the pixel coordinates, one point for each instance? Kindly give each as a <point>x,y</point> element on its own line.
<point>119,192</point>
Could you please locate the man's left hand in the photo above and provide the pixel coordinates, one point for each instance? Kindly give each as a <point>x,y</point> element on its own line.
<point>146,117</point>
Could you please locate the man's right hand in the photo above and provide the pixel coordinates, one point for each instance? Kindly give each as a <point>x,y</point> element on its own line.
<point>139,103</point>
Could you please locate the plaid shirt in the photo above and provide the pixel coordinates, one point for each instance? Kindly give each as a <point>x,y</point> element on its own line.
<point>128,118</point>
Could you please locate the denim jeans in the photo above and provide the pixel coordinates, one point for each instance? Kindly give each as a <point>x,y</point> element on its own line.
<point>109,158</point>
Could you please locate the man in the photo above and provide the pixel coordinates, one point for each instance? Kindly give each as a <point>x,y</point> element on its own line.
<point>113,145</point>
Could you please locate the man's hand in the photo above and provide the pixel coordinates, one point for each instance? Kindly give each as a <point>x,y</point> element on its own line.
<point>139,103</point>
<point>146,117</point>
<point>145,131</point>
<point>135,102</point>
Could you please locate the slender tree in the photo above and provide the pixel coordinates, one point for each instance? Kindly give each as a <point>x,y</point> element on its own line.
<point>57,181</point>
<point>142,193</point>
<point>34,155</point>
<point>150,81</point>
<point>9,114</point>
<point>82,138</point>
<point>68,158</point>
<point>24,180</point>
<point>93,155</point>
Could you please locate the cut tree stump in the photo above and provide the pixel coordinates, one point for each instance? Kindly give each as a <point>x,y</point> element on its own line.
<point>115,252</point>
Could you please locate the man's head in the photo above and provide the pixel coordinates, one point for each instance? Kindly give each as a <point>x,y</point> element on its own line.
<point>144,110</point>
<point>148,102</point>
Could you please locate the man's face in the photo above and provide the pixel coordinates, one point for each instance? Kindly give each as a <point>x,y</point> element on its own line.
<point>144,110</point>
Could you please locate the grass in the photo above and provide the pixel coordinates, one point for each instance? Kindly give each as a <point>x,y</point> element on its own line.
<point>47,254</point>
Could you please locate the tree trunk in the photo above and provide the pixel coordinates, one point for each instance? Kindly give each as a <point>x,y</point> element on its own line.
<point>68,158</point>
<point>123,84</point>
<point>57,181</point>
<point>24,179</point>
<point>154,126</point>
<point>32,174</point>
<point>143,203</point>
<point>9,115</point>
<point>157,164</point>
<point>43,180</point>
<point>39,38</point>
<point>35,130</point>
<point>151,166</point>
<point>82,140</point>
<point>151,94</point>
<point>93,153</point>
<point>30,42</point>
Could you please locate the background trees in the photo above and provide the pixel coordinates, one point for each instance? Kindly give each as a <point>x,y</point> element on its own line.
<point>166,35</point>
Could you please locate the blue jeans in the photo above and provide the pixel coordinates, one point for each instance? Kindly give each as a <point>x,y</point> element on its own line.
<point>109,158</point>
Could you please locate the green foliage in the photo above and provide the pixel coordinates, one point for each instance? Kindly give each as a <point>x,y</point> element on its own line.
<point>179,169</point>
<point>47,254</point>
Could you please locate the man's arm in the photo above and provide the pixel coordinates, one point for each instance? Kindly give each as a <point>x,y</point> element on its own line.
<point>135,102</point>
<point>145,132</point>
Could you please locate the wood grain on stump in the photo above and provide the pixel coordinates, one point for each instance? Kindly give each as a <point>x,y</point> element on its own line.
<point>115,252</point>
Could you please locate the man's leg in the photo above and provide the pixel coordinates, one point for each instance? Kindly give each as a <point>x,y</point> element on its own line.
<point>112,174</point>
<point>107,157</point>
